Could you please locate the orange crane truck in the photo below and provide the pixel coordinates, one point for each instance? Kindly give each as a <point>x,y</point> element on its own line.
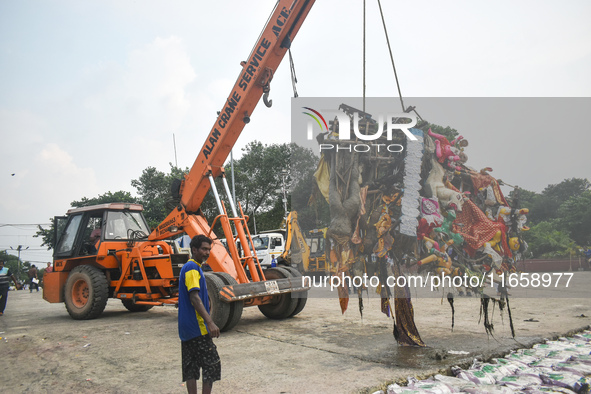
<point>107,251</point>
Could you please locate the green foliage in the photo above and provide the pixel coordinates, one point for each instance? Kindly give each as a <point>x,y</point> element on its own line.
<point>567,188</point>
<point>523,199</point>
<point>153,188</point>
<point>271,219</point>
<point>545,206</point>
<point>574,216</point>
<point>448,132</point>
<point>258,175</point>
<point>108,197</point>
<point>259,181</point>
<point>545,240</point>
<point>46,235</point>
<point>560,217</point>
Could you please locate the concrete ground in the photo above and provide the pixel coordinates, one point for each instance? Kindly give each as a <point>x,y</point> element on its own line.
<point>320,350</point>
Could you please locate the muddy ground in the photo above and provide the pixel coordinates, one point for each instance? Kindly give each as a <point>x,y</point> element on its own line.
<point>43,350</point>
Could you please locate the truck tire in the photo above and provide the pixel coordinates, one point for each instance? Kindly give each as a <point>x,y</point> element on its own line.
<point>219,311</point>
<point>282,305</point>
<point>301,297</point>
<point>236,307</point>
<point>132,307</point>
<point>86,292</point>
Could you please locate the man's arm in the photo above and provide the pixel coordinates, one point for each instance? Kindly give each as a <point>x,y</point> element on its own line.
<point>200,308</point>
<point>16,284</point>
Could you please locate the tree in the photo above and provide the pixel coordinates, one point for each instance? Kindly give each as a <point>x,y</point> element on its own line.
<point>259,179</point>
<point>545,206</point>
<point>575,218</point>
<point>155,194</point>
<point>272,218</point>
<point>546,240</point>
<point>153,188</point>
<point>108,197</point>
<point>522,198</point>
<point>567,188</point>
<point>258,175</point>
<point>560,217</point>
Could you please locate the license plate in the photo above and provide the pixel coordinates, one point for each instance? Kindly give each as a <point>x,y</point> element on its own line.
<point>272,287</point>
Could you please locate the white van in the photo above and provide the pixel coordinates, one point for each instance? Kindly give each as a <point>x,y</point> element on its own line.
<point>182,245</point>
<point>268,246</point>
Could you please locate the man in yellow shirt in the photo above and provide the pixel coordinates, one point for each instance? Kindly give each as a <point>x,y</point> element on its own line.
<point>196,327</point>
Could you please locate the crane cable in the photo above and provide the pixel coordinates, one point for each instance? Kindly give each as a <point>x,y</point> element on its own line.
<point>410,108</point>
<point>294,78</point>
<point>363,55</point>
<point>391,56</point>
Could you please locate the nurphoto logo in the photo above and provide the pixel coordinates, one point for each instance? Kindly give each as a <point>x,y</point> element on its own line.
<point>364,127</point>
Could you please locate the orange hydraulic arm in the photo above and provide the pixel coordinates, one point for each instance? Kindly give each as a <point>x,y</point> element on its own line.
<point>252,83</point>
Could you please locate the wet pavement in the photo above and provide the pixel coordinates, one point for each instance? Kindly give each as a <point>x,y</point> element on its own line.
<point>320,350</point>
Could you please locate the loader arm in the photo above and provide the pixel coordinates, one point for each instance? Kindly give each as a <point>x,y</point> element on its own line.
<point>296,251</point>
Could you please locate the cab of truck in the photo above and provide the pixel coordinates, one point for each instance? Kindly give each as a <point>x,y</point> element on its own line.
<point>268,247</point>
<point>83,230</point>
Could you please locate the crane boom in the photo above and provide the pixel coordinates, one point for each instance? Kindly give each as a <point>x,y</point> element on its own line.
<point>144,271</point>
<point>252,84</point>
<point>253,81</point>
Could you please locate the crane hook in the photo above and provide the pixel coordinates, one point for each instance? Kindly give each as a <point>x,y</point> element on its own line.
<point>265,83</point>
<point>266,100</point>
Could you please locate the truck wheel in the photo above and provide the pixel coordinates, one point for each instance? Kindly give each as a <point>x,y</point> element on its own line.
<point>86,292</point>
<point>130,306</point>
<point>282,305</point>
<point>236,307</point>
<point>301,297</point>
<point>219,311</point>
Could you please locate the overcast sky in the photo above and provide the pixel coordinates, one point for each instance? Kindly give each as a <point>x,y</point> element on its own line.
<point>91,92</point>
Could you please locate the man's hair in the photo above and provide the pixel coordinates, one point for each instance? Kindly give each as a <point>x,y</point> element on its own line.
<point>198,240</point>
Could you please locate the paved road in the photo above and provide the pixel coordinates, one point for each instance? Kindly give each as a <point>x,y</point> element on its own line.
<point>320,350</point>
